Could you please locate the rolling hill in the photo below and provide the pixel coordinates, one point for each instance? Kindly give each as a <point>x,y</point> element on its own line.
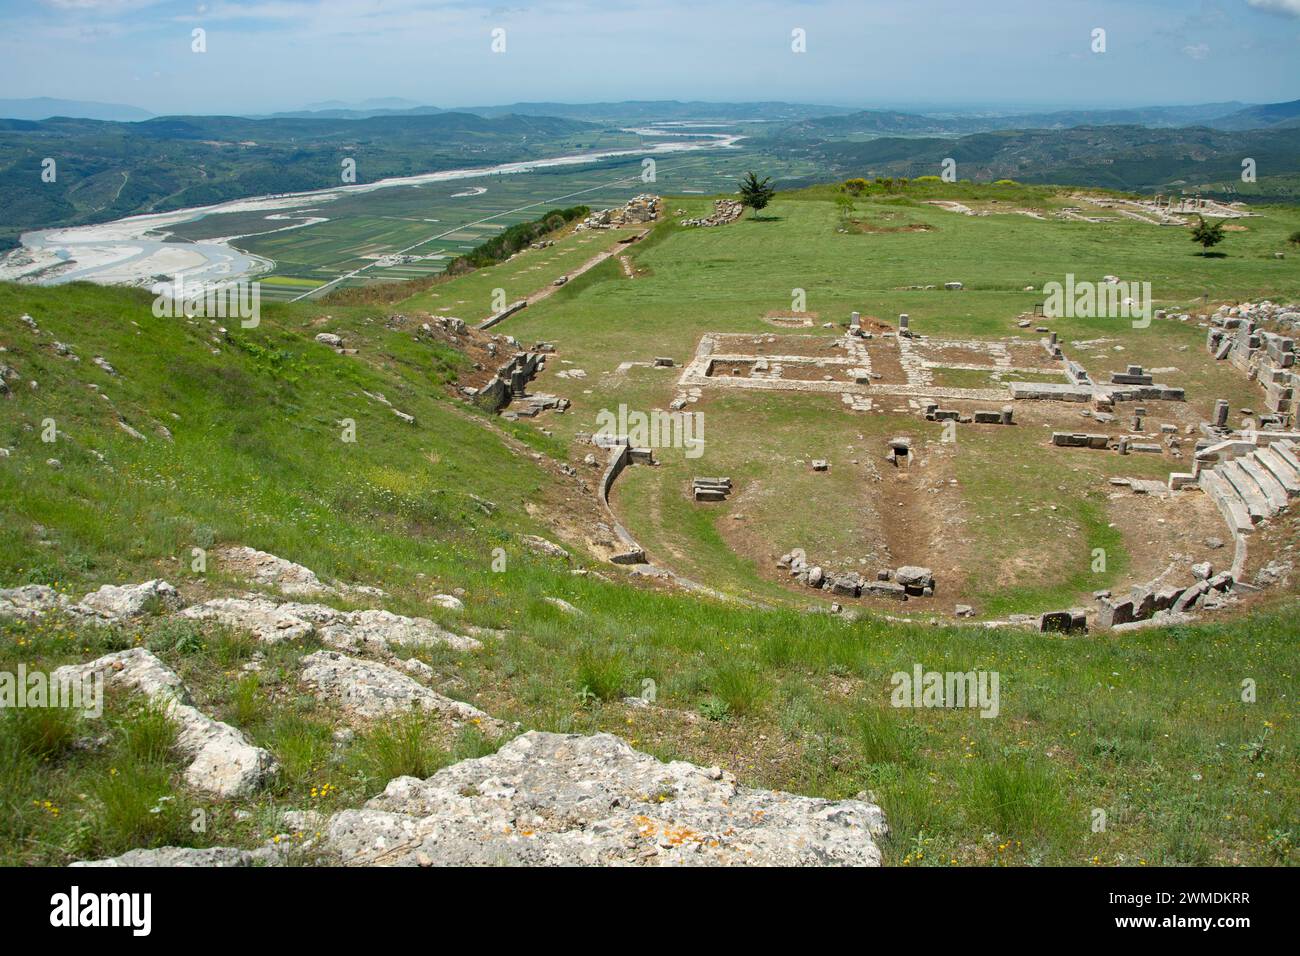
<point>107,170</point>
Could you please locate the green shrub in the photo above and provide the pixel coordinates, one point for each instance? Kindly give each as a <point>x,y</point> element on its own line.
<point>301,746</point>
<point>248,702</point>
<point>137,808</point>
<point>714,708</point>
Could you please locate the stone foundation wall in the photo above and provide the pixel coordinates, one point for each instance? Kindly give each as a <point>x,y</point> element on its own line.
<point>509,381</point>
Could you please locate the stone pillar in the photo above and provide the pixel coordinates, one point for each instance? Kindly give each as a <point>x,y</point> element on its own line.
<point>1221,413</point>
<point>1123,445</point>
<point>855,320</point>
<point>903,321</point>
<point>1051,340</point>
<point>1007,411</point>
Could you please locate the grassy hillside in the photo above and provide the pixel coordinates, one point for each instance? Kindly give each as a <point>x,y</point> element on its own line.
<point>1148,726</point>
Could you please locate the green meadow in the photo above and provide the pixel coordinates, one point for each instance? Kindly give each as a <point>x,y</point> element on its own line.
<point>243,445</point>
<point>691,281</point>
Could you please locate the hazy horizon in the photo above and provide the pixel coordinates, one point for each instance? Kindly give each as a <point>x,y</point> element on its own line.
<point>267,56</point>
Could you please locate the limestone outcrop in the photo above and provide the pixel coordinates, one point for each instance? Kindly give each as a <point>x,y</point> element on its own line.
<point>370,690</point>
<point>562,799</point>
<point>271,571</point>
<point>273,622</point>
<point>223,762</point>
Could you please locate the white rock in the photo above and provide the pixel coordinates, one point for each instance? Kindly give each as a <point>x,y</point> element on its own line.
<point>417,668</point>
<point>562,800</point>
<point>223,762</point>
<point>30,601</point>
<point>268,621</point>
<point>562,604</point>
<point>379,629</point>
<point>347,630</point>
<point>542,546</point>
<point>912,576</point>
<point>449,601</point>
<point>120,602</point>
<point>169,856</point>
<point>371,690</point>
<point>269,570</point>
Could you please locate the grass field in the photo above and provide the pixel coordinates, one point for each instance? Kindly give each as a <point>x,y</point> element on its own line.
<point>1148,726</point>
<point>694,281</point>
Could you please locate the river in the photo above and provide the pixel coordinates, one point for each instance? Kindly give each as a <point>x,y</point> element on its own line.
<point>139,250</point>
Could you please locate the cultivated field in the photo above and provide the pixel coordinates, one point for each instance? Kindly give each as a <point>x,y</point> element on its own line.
<point>435,222</point>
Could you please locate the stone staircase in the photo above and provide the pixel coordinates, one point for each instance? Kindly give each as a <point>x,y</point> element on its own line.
<point>1256,485</point>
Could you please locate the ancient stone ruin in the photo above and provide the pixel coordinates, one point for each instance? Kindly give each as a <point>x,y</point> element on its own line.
<point>711,489</point>
<point>636,211</point>
<point>898,584</point>
<point>510,383</point>
<point>724,211</point>
<point>1266,357</point>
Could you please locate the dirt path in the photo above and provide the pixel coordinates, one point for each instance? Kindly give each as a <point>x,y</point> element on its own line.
<point>551,288</point>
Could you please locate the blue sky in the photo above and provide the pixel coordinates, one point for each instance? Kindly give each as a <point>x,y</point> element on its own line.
<point>267,55</point>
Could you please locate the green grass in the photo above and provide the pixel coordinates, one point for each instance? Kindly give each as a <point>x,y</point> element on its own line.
<point>602,674</point>
<point>725,280</point>
<point>1148,726</point>
<point>402,747</point>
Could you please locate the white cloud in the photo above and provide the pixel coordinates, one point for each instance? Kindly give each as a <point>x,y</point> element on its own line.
<point>1197,51</point>
<point>100,6</point>
<point>1285,8</point>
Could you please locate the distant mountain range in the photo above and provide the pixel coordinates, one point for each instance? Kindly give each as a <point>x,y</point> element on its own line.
<point>814,119</point>
<point>642,111</point>
<point>1272,116</point>
<point>829,119</point>
<point>866,123</point>
<point>631,111</point>
<point>45,107</point>
<point>378,103</point>
<point>155,163</point>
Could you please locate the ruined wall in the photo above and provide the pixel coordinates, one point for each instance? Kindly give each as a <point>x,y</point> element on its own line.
<point>1268,358</point>
<point>509,381</point>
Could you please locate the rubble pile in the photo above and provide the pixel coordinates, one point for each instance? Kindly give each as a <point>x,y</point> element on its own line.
<point>724,211</point>
<point>637,210</point>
